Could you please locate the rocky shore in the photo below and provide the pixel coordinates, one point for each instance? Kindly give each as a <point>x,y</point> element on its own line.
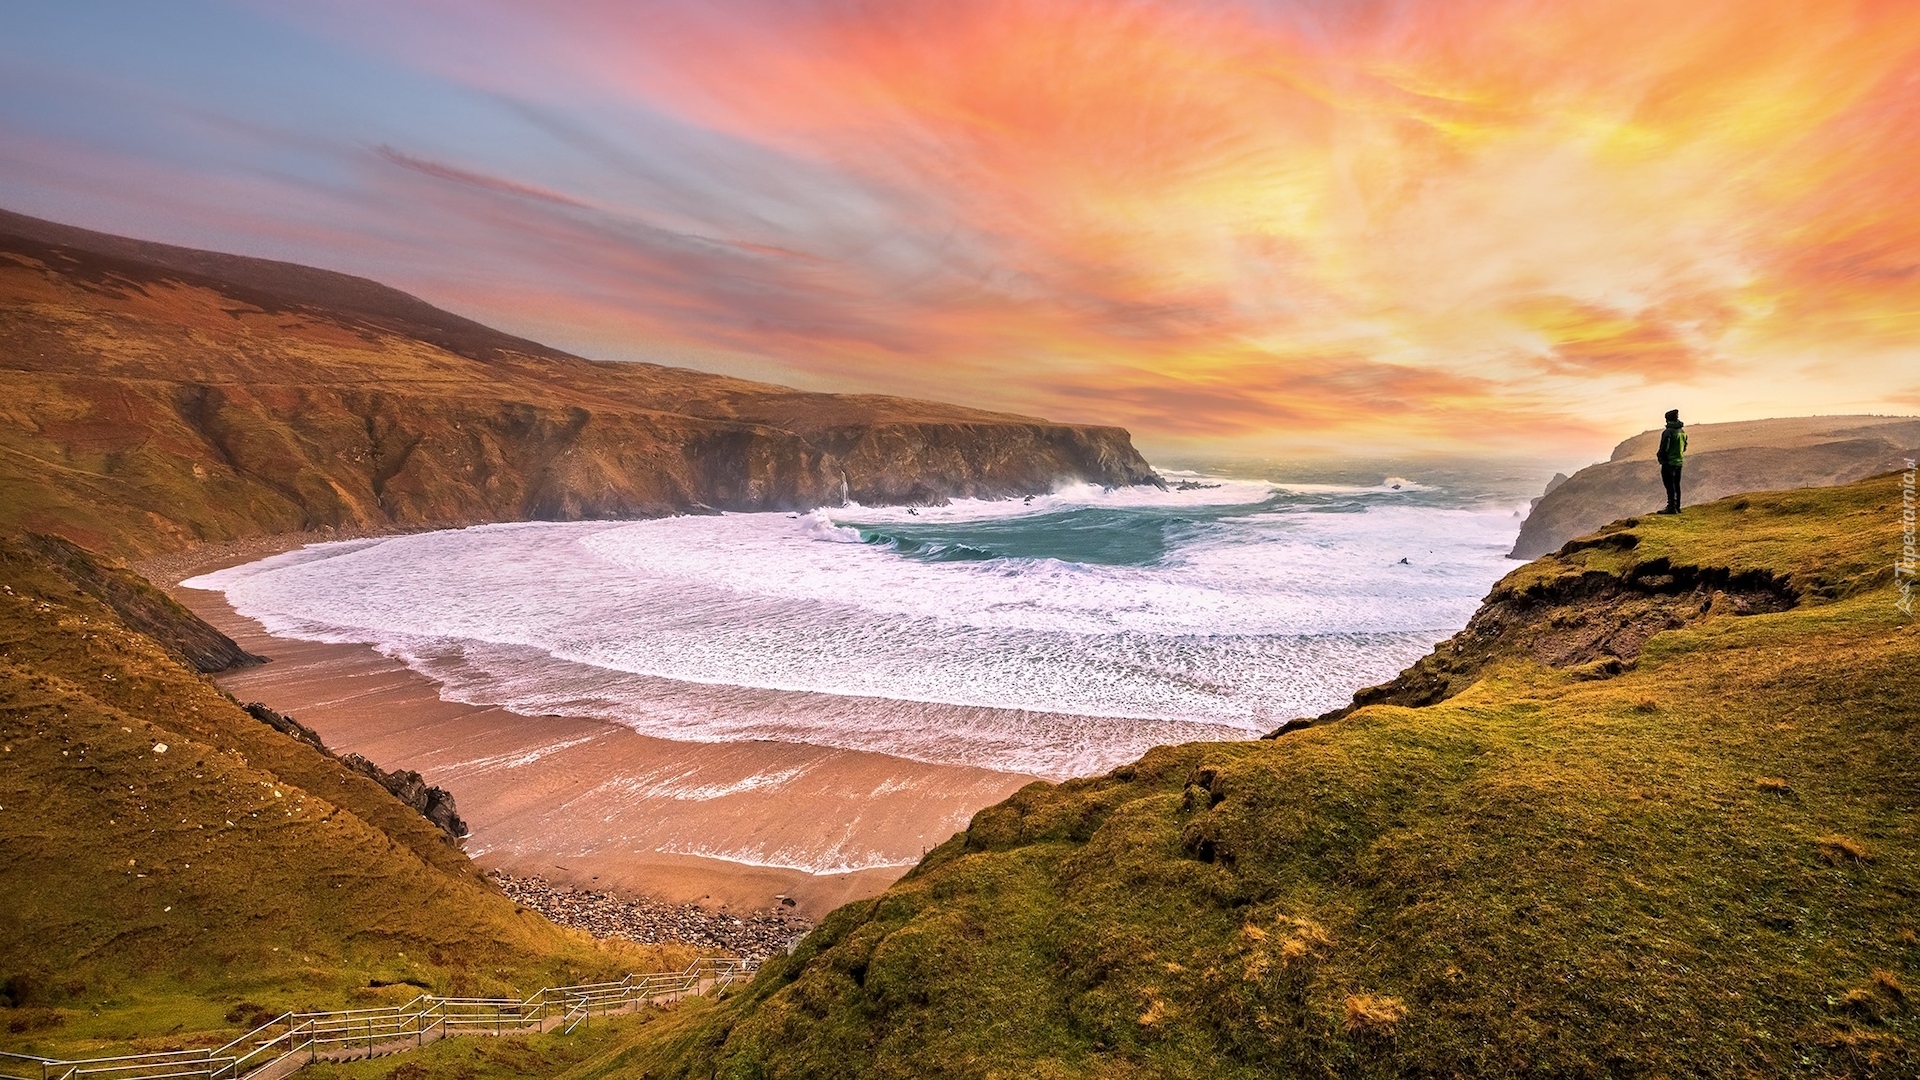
<point>754,936</point>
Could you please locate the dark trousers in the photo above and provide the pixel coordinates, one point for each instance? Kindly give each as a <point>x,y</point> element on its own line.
<point>1670,476</point>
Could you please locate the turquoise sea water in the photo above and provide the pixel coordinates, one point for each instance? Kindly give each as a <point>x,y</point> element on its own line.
<point>1056,636</point>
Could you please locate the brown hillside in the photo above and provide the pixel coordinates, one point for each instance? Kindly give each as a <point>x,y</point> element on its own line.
<point>156,397</point>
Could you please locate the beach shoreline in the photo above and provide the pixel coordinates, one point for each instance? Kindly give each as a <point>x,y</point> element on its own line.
<point>591,803</point>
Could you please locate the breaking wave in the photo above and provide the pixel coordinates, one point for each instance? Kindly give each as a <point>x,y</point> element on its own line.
<point>1056,635</point>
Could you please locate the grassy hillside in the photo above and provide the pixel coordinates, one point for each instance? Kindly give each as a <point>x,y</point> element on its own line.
<point>174,866</point>
<point>154,397</point>
<point>1659,819</point>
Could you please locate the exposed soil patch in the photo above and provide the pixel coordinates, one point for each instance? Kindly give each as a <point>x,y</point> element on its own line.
<point>1594,624</point>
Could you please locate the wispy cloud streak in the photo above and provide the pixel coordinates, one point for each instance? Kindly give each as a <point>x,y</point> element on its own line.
<point>1460,223</point>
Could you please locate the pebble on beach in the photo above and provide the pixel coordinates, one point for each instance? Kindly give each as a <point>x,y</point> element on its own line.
<point>754,936</point>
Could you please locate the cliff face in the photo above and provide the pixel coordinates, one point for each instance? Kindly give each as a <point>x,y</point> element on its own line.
<point>1722,460</point>
<point>1589,625</point>
<point>144,609</point>
<point>155,397</point>
<point>893,462</point>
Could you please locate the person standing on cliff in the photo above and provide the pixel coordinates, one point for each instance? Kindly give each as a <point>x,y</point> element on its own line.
<point>1672,454</point>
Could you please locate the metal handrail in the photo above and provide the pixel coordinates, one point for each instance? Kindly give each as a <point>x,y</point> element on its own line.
<point>313,1033</point>
<point>578,1015</point>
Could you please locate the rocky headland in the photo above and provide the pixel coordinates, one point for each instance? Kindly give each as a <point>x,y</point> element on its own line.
<point>159,398</point>
<point>1649,814</point>
<point>1722,460</point>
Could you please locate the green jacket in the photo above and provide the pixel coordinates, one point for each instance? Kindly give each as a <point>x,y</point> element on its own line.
<point>1673,444</point>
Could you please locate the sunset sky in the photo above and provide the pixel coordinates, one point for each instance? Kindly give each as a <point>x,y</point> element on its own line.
<point>1288,227</point>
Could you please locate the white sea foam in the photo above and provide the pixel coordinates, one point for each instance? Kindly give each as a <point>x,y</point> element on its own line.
<point>678,788</point>
<point>841,857</point>
<point>518,759</point>
<point>1253,603</point>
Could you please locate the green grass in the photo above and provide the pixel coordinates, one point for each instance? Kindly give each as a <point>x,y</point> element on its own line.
<point>1705,865</point>
<point>1702,860</point>
<point>149,893</point>
<point>618,1046</point>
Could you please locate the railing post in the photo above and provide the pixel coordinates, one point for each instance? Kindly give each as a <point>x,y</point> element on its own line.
<point>577,1005</point>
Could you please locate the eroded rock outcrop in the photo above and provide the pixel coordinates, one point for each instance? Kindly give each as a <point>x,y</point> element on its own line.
<point>1724,459</point>
<point>1591,625</point>
<point>433,803</point>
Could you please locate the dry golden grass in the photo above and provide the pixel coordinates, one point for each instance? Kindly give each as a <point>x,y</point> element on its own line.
<point>1836,849</point>
<point>1882,995</point>
<point>1156,1010</point>
<point>1777,785</point>
<point>1304,938</point>
<point>1374,1014</point>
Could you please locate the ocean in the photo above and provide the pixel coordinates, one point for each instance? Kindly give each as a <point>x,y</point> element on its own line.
<point>1055,636</point>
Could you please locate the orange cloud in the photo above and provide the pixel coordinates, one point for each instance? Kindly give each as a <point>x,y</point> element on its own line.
<point>1344,224</point>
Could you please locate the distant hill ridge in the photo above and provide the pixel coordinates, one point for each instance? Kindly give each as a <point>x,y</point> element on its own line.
<point>1722,459</point>
<point>290,283</point>
<point>157,396</point>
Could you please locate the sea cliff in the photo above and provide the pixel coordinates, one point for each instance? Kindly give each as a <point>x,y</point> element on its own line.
<point>157,397</point>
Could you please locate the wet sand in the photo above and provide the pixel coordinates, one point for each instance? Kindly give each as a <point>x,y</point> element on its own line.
<point>594,803</point>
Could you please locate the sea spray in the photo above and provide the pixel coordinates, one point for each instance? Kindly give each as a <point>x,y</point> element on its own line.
<point>1055,636</point>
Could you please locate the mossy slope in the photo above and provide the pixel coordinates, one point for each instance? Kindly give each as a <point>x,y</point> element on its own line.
<point>140,606</point>
<point>1704,862</point>
<point>169,856</point>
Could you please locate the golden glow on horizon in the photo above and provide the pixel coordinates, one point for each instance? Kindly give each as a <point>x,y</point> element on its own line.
<point>1453,224</point>
<point>1211,222</point>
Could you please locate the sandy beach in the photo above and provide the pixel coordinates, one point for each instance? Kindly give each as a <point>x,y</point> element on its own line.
<point>596,804</point>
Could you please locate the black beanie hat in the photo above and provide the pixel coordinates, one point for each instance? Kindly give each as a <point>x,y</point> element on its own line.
<point>1673,414</point>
